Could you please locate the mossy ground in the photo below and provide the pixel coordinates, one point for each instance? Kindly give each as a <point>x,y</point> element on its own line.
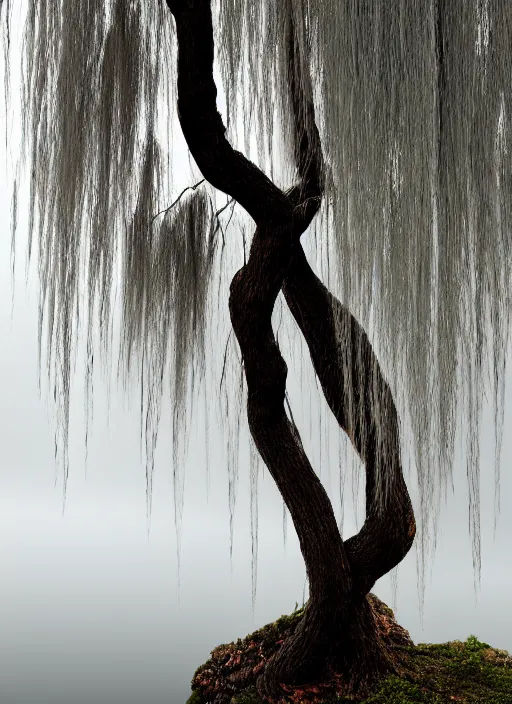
<point>467,672</point>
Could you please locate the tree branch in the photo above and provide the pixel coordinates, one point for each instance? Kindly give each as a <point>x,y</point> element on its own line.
<point>307,145</point>
<point>253,291</point>
<point>203,129</point>
<point>387,536</point>
<point>353,384</point>
<point>188,188</point>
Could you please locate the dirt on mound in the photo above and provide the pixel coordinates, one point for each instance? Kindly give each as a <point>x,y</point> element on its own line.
<point>467,672</point>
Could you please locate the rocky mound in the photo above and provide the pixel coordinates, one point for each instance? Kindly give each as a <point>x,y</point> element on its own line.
<point>467,673</point>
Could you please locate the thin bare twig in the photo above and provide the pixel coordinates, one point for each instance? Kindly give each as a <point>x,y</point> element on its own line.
<point>188,188</point>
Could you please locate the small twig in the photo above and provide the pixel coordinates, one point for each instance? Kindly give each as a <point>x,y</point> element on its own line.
<point>225,357</point>
<point>219,226</point>
<point>224,207</point>
<point>243,239</point>
<point>188,188</point>
<point>232,211</point>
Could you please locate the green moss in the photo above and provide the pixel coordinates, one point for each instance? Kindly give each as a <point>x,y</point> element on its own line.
<point>195,698</point>
<point>250,696</point>
<point>471,672</point>
<point>394,690</point>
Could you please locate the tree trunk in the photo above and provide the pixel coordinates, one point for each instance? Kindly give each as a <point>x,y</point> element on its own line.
<point>337,630</point>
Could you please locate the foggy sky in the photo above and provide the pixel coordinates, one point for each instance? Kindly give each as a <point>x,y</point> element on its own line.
<point>89,606</point>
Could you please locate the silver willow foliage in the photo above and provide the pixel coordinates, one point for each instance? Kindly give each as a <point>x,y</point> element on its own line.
<point>413,101</point>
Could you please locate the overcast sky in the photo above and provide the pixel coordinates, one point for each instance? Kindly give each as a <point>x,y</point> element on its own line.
<point>89,608</point>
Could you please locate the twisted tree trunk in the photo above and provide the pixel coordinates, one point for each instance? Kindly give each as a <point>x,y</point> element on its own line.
<point>337,630</point>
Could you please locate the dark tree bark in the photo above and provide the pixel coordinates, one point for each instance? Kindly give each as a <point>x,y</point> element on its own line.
<point>337,630</point>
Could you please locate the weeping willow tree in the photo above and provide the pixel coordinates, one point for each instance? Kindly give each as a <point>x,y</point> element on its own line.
<point>383,128</point>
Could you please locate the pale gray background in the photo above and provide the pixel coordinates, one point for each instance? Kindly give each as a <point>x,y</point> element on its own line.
<point>89,608</point>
